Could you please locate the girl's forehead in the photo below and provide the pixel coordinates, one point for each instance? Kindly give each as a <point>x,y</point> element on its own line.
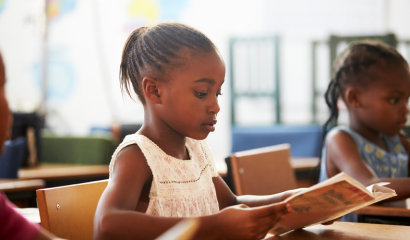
<point>202,65</point>
<point>394,77</point>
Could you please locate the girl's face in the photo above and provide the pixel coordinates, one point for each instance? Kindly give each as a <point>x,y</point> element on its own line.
<point>4,108</point>
<point>384,102</point>
<point>190,97</point>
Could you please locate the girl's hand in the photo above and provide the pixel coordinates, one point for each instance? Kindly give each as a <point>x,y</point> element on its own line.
<point>243,222</point>
<point>289,193</point>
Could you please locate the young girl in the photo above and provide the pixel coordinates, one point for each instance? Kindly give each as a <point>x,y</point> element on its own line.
<point>373,80</point>
<point>166,171</point>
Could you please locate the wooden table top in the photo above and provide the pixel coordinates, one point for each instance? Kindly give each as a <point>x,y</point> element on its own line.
<point>300,164</point>
<point>347,231</point>
<point>17,185</point>
<point>50,171</point>
<point>384,211</point>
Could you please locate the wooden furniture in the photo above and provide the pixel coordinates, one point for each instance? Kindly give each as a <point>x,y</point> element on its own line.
<point>15,185</point>
<point>263,171</point>
<point>68,212</point>
<point>184,230</point>
<point>21,192</point>
<point>347,231</point>
<point>54,171</point>
<point>384,211</point>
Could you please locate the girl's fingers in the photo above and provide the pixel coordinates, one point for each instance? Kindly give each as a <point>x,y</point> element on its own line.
<point>276,209</point>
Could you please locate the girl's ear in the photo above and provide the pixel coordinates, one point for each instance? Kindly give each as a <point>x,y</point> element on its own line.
<point>352,97</point>
<point>150,88</point>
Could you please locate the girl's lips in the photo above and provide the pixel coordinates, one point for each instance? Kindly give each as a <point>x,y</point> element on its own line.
<point>209,127</point>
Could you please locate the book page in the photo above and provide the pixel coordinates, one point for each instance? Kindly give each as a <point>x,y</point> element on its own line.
<point>333,198</point>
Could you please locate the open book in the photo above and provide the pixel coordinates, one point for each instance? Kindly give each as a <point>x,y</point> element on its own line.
<point>328,200</point>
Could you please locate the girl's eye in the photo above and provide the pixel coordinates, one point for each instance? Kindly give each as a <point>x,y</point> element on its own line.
<point>200,94</point>
<point>218,94</point>
<point>394,100</point>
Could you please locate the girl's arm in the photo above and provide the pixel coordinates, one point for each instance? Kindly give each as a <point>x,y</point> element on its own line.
<point>342,155</point>
<point>116,218</point>
<point>226,197</point>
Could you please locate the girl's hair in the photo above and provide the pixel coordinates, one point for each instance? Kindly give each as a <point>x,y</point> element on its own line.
<point>154,49</point>
<point>352,68</point>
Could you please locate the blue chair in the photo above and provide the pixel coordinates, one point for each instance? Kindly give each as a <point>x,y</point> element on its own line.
<point>12,157</point>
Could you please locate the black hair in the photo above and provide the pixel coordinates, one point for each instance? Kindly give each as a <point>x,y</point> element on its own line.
<point>353,68</point>
<point>154,49</point>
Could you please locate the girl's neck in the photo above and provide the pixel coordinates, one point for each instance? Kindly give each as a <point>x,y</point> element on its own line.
<point>171,142</point>
<point>368,133</point>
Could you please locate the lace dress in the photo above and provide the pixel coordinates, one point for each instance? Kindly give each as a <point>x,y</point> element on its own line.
<point>180,188</point>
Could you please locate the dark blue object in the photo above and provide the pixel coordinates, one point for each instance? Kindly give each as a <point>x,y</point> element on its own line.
<point>12,157</point>
<point>304,141</point>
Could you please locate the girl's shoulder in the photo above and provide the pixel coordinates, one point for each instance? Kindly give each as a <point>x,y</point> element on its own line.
<point>339,142</point>
<point>345,135</point>
<point>341,133</point>
<point>129,150</point>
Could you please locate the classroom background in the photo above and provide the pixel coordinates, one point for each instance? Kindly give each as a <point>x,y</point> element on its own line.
<point>63,63</point>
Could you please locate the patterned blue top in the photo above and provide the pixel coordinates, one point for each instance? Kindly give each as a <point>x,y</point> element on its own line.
<point>391,164</point>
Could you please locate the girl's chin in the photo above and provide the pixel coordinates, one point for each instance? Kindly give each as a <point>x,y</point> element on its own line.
<point>199,137</point>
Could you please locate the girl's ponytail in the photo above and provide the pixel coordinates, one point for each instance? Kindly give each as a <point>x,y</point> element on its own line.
<point>331,98</point>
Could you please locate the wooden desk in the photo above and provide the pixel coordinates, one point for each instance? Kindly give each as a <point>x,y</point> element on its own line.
<point>21,192</point>
<point>301,164</point>
<point>50,171</point>
<point>384,211</point>
<point>347,231</point>
<point>16,185</point>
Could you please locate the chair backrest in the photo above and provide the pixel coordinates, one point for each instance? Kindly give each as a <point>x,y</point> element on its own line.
<point>68,211</point>
<point>263,171</point>
<point>184,230</point>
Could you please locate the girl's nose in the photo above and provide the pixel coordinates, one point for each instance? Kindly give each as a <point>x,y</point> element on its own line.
<point>214,107</point>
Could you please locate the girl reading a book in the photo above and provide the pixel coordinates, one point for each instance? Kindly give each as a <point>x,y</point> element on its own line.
<point>373,80</point>
<point>166,171</point>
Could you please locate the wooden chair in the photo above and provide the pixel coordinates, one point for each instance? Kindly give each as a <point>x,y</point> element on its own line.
<point>263,171</point>
<point>68,212</point>
<point>184,230</point>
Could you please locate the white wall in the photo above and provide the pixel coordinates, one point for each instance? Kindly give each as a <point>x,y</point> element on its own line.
<point>86,40</point>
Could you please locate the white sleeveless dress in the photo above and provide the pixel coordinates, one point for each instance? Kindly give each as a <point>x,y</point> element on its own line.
<point>180,188</point>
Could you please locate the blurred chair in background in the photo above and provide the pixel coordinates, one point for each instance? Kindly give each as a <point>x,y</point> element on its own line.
<point>262,171</point>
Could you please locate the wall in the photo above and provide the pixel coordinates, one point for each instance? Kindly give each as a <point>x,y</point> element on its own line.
<point>86,39</point>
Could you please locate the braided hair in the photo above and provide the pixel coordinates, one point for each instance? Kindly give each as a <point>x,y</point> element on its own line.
<point>353,68</point>
<point>155,49</point>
